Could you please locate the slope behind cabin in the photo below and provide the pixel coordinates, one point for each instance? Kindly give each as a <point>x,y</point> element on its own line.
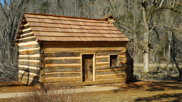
<point>73,50</point>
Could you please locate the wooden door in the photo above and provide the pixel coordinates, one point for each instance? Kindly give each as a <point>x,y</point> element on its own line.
<point>87,68</point>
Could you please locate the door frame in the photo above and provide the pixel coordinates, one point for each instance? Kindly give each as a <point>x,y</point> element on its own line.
<point>81,54</point>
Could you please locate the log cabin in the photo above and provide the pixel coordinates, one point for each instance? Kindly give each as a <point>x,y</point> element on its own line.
<point>73,50</point>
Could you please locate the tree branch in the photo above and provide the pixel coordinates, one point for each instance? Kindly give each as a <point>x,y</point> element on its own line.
<point>161,3</point>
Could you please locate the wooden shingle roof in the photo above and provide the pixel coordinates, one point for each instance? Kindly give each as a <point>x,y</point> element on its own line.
<point>61,28</point>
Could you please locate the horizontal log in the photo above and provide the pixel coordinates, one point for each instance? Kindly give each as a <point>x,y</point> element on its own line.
<point>109,72</point>
<point>63,74</point>
<point>102,63</point>
<point>56,49</point>
<point>33,63</point>
<point>108,67</point>
<point>25,25</point>
<point>61,65</point>
<point>111,69</point>
<point>27,30</point>
<point>102,59</point>
<point>122,56</point>
<point>30,57</point>
<point>27,39</point>
<point>62,54</point>
<point>36,61</point>
<point>111,76</point>
<point>62,79</point>
<point>102,66</point>
<point>30,51</point>
<point>24,35</point>
<point>57,58</point>
<point>63,60</point>
<point>27,43</point>
<point>37,70</point>
<point>29,61</point>
<point>23,66</point>
<point>29,46</point>
<point>62,69</point>
<point>115,80</point>
<point>122,62</point>
<point>110,52</point>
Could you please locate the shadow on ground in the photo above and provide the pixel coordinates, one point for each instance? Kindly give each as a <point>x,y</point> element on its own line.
<point>175,98</point>
<point>150,86</point>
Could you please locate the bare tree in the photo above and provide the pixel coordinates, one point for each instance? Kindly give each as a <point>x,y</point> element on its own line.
<point>11,13</point>
<point>148,21</point>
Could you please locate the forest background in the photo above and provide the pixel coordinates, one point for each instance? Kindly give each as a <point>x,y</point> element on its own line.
<point>154,27</point>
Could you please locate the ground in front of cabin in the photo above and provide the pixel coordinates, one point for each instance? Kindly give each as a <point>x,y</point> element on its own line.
<point>137,91</point>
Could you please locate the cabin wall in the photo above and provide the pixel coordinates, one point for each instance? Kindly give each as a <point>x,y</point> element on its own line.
<point>63,61</point>
<point>29,62</point>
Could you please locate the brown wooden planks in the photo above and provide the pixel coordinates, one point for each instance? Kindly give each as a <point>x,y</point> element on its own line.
<point>62,69</point>
<point>26,69</point>
<point>35,45</point>
<point>33,63</point>
<point>110,52</point>
<point>29,51</point>
<point>111,69</point>
<point>61,54</point>
<point>30,57</point>
<point>62,79</point>
<point>109,72</point>
<point>63,74</point>
<point>65,60</point>
<point>108,67</point>
<point>62,65</point>
<point>110,76</point>
<point>28,39</point>
<point>102,59</point>
<point>58,49</point>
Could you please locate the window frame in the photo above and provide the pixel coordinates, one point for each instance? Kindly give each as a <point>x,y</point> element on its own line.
<point>117,59</point>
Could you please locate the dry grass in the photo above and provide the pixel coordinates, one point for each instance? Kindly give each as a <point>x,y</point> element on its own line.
<point>138,91</point>
<point>51,93</point>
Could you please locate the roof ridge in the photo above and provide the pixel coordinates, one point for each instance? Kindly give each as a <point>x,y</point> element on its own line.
<point>65,16</point>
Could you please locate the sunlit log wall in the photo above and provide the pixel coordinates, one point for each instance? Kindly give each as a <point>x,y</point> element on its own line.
<point>29,62</point>
<point>63,61</point>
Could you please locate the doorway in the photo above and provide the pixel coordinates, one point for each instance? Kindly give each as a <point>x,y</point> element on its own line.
<point>87,67</point>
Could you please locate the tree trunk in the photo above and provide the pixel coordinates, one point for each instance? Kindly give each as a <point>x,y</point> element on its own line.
<point>146,39</point>
<point>146,53</point>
